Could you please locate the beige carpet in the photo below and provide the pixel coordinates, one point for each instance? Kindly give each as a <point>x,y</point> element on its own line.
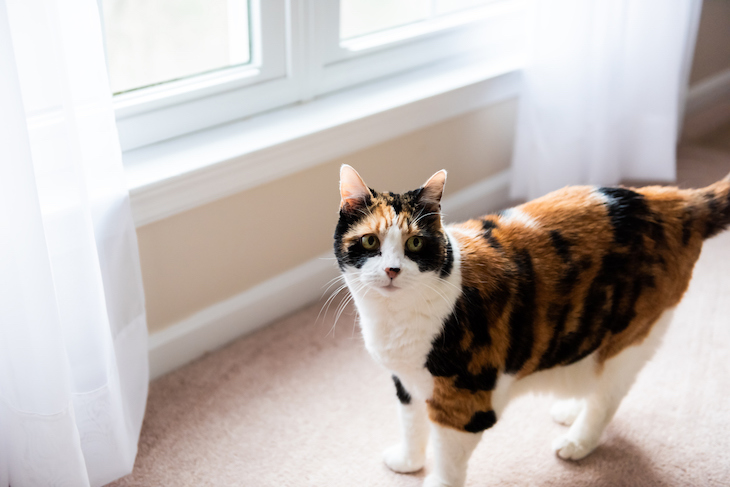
<point>298,405</point>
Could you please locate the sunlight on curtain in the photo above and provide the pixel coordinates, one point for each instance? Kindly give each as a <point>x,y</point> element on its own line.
<point>73,350</point>
<point>603,92</point>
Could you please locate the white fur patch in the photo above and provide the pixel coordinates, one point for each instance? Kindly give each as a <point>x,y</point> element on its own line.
<point>601,197</point>
<point>519,217</point>
<point>469,233</point>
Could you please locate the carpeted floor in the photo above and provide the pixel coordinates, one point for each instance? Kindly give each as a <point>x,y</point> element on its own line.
<point>301,404</point>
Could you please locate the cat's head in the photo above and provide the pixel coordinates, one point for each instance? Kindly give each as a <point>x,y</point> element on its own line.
<point>388,243</point>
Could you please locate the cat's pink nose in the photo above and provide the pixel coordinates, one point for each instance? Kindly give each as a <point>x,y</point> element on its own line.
<point>392,271</point>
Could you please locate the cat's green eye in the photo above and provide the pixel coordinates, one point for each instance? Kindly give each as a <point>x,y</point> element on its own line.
<point>414,244</point>
<point>370,242</point>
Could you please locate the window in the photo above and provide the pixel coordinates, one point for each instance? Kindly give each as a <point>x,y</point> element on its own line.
<point>152,42</point>
<point>180,66</point>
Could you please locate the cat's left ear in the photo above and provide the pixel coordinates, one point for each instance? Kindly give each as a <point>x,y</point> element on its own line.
<point>432,191</point>
<point>353,190</point>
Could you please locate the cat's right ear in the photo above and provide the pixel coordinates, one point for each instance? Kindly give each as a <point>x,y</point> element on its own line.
<point>353,190</point>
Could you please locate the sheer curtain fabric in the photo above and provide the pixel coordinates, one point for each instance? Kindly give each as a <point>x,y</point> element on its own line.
<point>73,353</point>
<point>603,92</point>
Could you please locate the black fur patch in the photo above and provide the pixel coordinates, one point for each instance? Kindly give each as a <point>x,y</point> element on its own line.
<point>718,218</point>
<point>480,421</point>
<point>349,216</point>
<point>486,380</point>
<point>628,211</point>
<point>448,359</point>
<point>473,311</point>
<point>493,241</point>
<point>568,281</point>
<point>433,254</point>
<point>401,392</point>
<point>596,308</point>
<point>397,205</point>
<point>498,300</point>
<point>562,246</point>
<point>357,255</point>
<point>688,225</point>
<point>656,230</point>
<point>488,224</point>
<point>436,254</point>
<point>523,314</point>
<point>558,315</point>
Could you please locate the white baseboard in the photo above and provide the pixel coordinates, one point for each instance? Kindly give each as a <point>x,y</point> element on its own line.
<point>480,198</point>
<point>227,320</point>
<point>708,92</point>
<point>281,295</point>
<point>707,108</point>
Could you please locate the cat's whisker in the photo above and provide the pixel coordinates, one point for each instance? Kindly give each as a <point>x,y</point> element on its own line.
<point>426,301</point>
<point>340,309</point>
<point>343,304</point>
<point>334,323</point>
<point>368,212</point>
<point>329,301</point>
<point>357,312</point>
<point>443,296</point>
<point>415,219</point>
<point>334,294</point>
<point>452,285</point>
<point>331,283</point>
<point>424,216</point>
<point>340,277</point>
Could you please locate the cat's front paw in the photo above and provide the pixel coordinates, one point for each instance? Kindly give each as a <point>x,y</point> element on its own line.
<point>398,460</point>
<point>571,449</point>
<point>434,481</point>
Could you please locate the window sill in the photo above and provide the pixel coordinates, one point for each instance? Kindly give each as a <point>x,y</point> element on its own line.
<point>180,174</point>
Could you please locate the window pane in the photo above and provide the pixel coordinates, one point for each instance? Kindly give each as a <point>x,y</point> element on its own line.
<point>446,6</point>
<point>153,41</point>
<point>359,17</point>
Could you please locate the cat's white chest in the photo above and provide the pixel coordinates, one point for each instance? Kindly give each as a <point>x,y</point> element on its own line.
<point>399,341</point>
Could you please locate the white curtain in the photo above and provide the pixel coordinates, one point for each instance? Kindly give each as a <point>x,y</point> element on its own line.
<point>73,354</point>
<point>603,92</point>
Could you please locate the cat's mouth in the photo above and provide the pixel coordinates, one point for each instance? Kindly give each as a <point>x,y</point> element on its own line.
<point>389,288</point>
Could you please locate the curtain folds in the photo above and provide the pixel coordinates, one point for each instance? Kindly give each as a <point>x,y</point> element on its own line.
<point>603,92</point>
<point>73,337</point>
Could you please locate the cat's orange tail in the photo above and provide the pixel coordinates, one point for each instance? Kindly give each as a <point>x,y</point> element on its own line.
<point>715,200</point>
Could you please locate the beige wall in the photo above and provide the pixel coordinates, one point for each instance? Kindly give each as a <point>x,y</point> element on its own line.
<point>712,52</point>
<point>194,259</point>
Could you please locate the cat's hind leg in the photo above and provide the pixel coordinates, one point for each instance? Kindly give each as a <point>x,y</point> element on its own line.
<point>612,384</point>
<point>410,454</point>
<point>565,411</point>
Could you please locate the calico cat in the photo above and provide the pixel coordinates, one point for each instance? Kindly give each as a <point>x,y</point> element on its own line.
<point>568,293</point>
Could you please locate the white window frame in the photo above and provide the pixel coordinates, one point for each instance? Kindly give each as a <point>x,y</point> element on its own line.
<point>152,114</point>
<point>297,56</point>
<point>462,34</point>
